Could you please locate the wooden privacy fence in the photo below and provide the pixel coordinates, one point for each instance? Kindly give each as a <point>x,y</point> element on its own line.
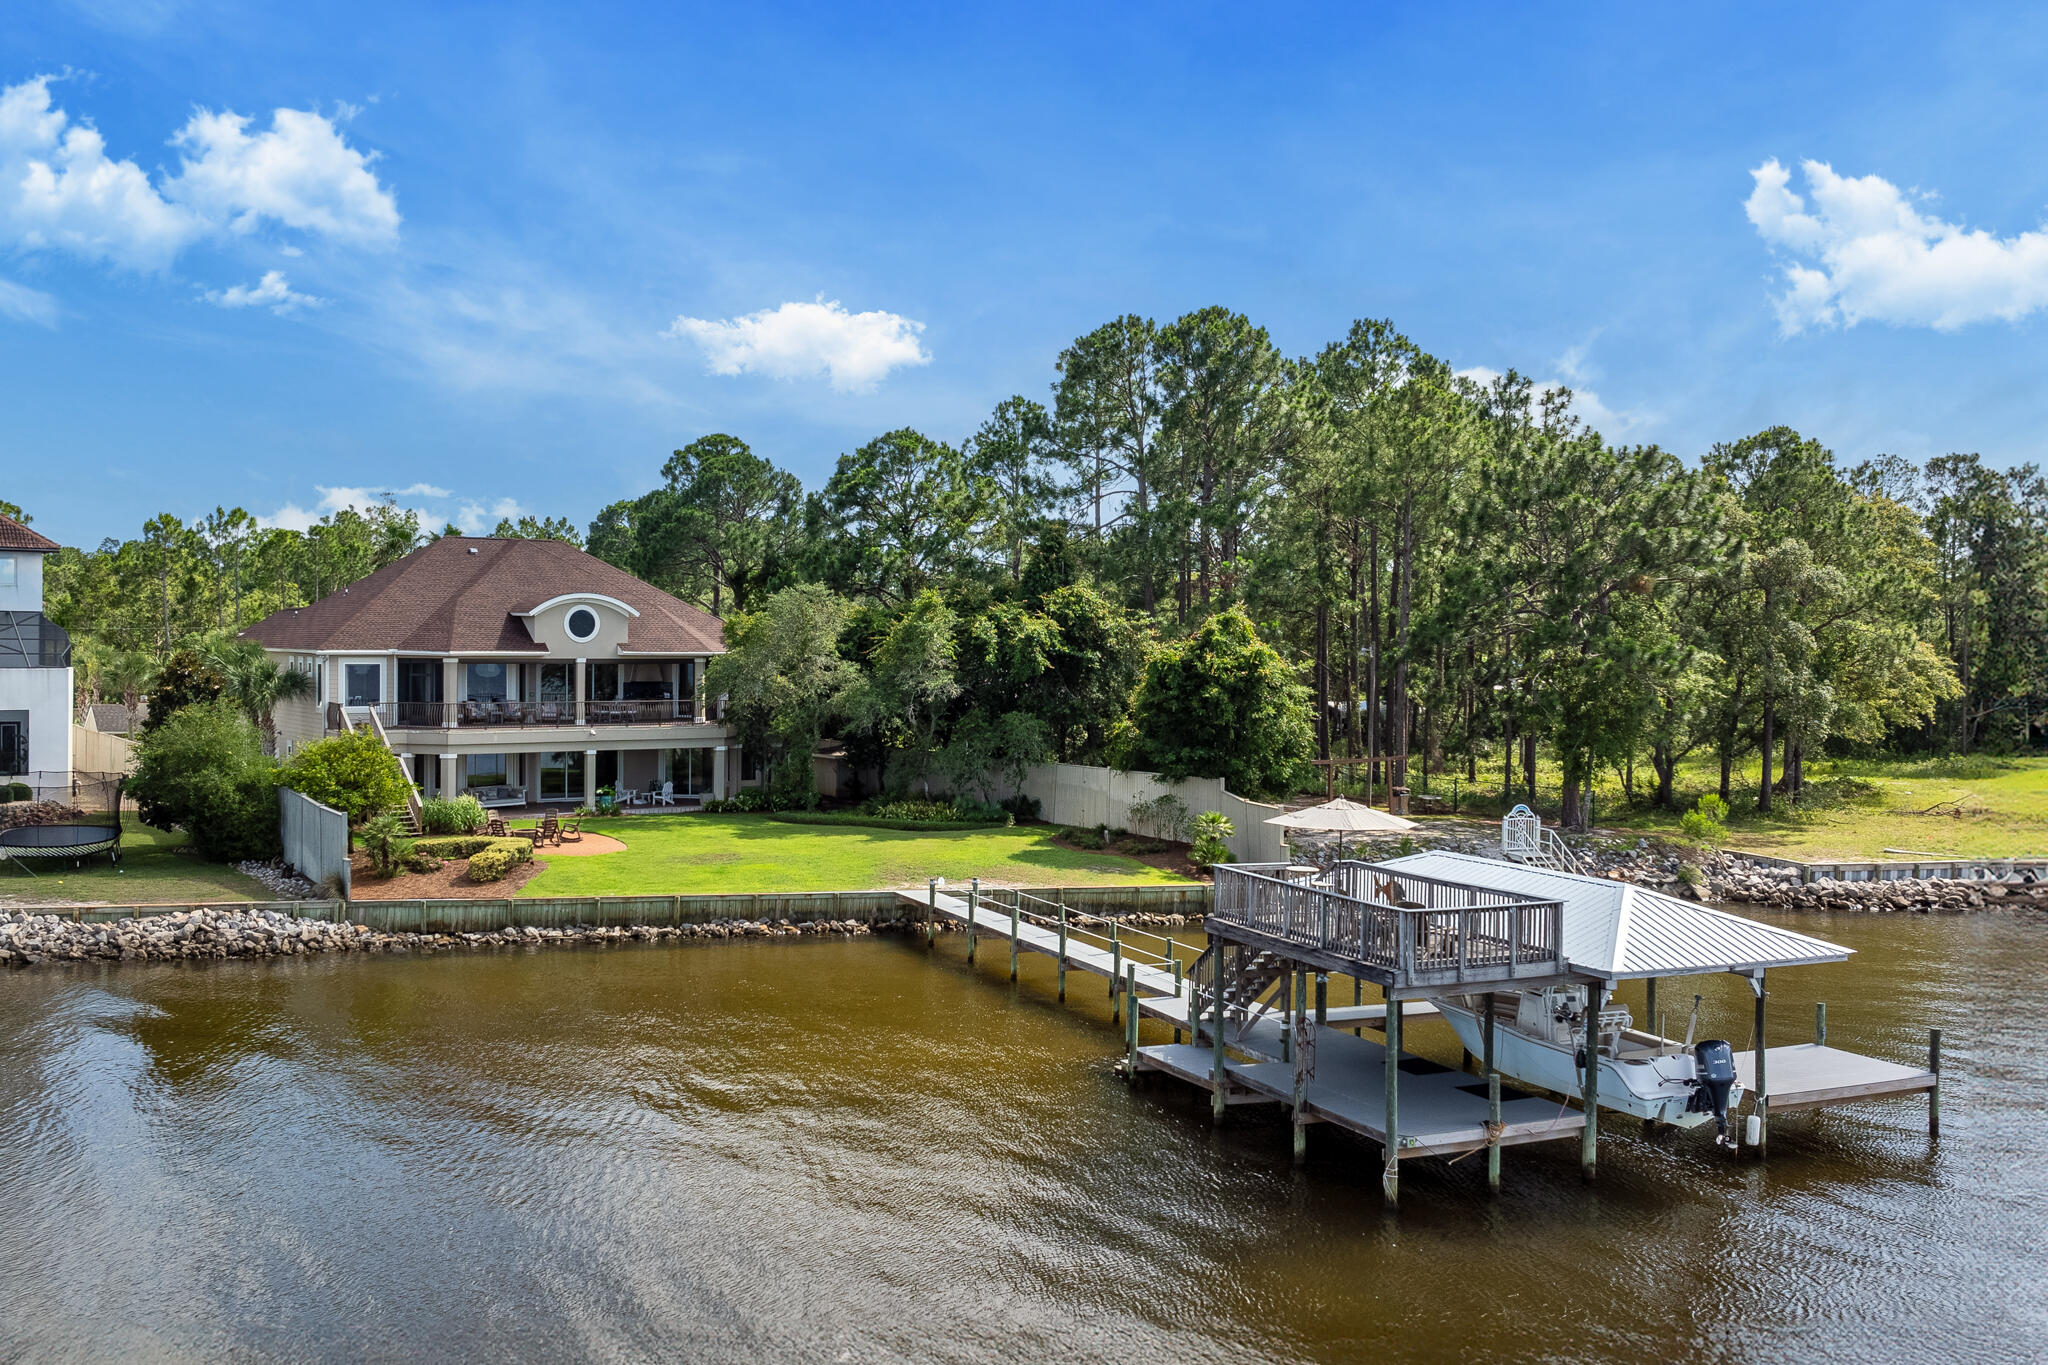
<point>560,912</point>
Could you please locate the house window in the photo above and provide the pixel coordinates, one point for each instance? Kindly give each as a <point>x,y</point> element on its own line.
<point>363,684</point>
<point>690,770</point>
<point>603,681</point>
<point>582,624</point>
<point>561,775</point>
<point>486,682</point>
<point>554,683</point>
<point>487,770</point>
<point>6,571</point>
<point>13,746</point>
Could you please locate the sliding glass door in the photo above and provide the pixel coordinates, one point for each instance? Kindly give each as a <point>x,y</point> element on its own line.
<point>561,776</point>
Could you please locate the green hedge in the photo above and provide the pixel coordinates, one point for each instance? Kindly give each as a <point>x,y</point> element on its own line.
<point>469,845</point>
<point>854,817</point>
<point>494,862</point>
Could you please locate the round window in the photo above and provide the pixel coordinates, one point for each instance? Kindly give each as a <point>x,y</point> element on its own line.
<point>582,623</point>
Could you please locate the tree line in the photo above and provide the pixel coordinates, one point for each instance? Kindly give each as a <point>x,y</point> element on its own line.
<point>1372,556</point>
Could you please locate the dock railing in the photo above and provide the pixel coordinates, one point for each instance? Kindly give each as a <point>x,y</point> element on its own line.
<point>1398,926</point>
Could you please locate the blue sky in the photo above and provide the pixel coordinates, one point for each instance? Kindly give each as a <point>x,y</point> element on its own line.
<point>506,253</point>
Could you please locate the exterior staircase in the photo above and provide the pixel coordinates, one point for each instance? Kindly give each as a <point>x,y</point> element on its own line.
<point>410,817</point>
<point>1523,839</point>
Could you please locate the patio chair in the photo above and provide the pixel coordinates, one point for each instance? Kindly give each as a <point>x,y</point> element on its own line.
<point>494,826</point>
<point>550,829</point>
<point>570,833</point>
<point>665,797</point>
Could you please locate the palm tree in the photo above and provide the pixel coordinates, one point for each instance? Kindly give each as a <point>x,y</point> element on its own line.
<point>257,683</point>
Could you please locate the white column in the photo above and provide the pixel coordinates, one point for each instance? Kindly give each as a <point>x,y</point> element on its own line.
<point>451,683</point>
<point>448,787</point>
<point>582,668</point>
<point>589,764</point>
<point>718,786</point>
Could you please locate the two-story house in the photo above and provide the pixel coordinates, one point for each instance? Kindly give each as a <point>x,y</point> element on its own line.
<point>518,670</point>
<point>35,663</point>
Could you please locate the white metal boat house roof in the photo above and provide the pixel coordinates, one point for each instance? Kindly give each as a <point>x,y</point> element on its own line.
<point>1617,930</point>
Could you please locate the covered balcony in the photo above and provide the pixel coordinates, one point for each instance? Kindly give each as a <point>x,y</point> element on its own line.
<point>435,694</point>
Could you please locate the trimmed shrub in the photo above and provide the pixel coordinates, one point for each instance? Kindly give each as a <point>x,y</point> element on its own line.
<point>491,865</point>
<point>460,815</point>
<point>1084,838</point>
<point>19,791</point>
<point>469,845</point>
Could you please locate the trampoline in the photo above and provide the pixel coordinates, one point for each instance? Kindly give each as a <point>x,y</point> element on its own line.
<point>89,823</point>
<point>77,842</point>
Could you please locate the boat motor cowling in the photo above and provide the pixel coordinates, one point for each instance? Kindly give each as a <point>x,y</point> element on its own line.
<point>1713,1064</point>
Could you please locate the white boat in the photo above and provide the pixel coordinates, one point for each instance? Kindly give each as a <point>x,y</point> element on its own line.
<point>1539,1038</point>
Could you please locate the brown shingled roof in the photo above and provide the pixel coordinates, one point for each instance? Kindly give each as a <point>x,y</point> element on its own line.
<point>15,536</point>
<point>443,599</point>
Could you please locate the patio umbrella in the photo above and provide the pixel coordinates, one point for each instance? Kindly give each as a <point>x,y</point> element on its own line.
<point>1341,817</point>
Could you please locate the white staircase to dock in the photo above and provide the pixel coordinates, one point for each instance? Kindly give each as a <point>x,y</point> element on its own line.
<point>1523,839</point>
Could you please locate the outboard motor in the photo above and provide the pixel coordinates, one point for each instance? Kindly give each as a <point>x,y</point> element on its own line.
<point>1713,1064</point>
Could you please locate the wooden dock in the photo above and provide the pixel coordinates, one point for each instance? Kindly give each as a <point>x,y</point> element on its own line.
<point>1810,1075</point>
<point>1443,1112</point>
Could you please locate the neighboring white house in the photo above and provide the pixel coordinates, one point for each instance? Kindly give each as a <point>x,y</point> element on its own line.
<point>35,661</point>
<point>516,670</point>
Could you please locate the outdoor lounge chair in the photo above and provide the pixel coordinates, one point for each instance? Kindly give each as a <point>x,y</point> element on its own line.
<point>665,797</point>
<point>570,833</point>
<point>550,829</point>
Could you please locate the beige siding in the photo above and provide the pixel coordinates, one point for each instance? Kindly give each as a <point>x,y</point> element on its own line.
<point>299,723</point>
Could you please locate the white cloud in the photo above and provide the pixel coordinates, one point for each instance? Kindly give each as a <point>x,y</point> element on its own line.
<point>293,517</point>
<point>59,189</point>
<point>299,173</point>
<point>24,304</point>
<point>1864,252</point>
<point>273,291</point>
<point>798,340</point>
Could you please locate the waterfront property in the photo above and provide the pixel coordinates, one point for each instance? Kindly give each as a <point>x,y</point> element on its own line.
<point>517,671</point>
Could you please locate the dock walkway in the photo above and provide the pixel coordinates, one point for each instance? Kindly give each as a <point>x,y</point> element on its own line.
<point>1809,1075</point>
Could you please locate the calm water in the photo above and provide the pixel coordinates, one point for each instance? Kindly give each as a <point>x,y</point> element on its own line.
<point>854,1152</point>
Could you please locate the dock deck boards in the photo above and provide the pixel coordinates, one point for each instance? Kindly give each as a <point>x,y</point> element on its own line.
<point>1808,1075</point>
<point>1443,1112</point>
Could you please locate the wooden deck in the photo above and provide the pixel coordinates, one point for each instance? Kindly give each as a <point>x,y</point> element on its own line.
<point>1809,1075</point>
<point>1443,1112</point>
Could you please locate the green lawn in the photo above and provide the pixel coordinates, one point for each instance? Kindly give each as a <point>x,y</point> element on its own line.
<point>681,855</point>
<point>156,868</point>
<point>1852,809</point>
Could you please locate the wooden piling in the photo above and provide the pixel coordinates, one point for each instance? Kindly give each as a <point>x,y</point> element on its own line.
<point>1303,1058</point>
<point>973,907</point>
<point>1934,1092</point>
<point>1218,1076</point>
<point>1063,946</point>
<point>1390,1176</point>
<point>1322,998</point>
<point>1589,1140</point>
<point>1761,1106</point>
<point>1487,1034</point>
<point>1820,1023</point>
<point>1650,1003</point>
<point>1493,1128</point>
<point>931,911</point>
<point>1131,1019</point>
<point>1287,1034</point>
<point>1116,968</point>
<point>1016,909</point>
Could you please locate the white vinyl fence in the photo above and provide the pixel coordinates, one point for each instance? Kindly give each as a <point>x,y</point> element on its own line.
<point>1069,794</point>
<point>315,839</point>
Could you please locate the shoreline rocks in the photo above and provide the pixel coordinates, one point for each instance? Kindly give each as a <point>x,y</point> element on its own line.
<point>29,938</point>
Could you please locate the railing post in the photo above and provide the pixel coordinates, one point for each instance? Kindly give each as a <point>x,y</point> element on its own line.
<point>1116,966</point>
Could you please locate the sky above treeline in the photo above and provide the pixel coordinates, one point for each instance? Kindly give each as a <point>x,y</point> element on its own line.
<point>505,257</point>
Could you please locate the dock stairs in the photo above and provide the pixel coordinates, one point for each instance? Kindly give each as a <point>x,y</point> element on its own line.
<point>374,723</point>
<point>1523,839</point>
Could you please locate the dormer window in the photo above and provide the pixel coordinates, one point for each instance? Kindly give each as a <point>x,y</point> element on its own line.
<point>581,624</point>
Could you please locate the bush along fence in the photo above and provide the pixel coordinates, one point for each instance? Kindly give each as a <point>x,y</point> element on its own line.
<point>289,928</point>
